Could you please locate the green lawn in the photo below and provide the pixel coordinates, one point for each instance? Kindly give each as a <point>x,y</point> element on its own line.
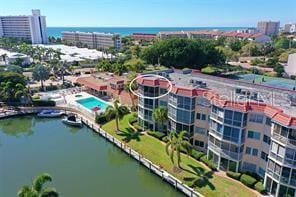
<point>154,150</point>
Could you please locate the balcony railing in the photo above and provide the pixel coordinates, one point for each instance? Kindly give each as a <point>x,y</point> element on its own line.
<point>283,139</point>
<point>279,137</point>
<point>225,153</point>
<point>276,157</point>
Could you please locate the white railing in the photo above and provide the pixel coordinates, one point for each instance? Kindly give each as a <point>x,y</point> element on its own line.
<point>145,162</point>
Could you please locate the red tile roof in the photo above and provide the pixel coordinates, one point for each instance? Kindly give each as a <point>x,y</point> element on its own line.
<point>270,111</point>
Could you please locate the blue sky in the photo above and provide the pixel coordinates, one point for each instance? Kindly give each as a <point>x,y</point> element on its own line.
<point>155,13</point>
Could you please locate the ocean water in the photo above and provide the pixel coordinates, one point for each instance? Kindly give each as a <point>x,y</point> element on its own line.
<point>125,31</point>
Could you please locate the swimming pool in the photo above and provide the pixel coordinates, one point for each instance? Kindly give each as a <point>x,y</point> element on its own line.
<point>91,103</point>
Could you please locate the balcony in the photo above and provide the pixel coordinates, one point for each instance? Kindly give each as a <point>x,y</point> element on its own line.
<point>283,139</point>
<point>225,153</point>
<point>276,157</point>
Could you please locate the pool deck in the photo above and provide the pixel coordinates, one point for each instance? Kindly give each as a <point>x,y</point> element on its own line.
<point>71,101</point>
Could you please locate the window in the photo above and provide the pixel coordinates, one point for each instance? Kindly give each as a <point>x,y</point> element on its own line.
<point>266,139</point>
<point>264,156</point>
<point>254,135</point>
<point>261,172</point>
<point>255,152</point>
<point>268,121</point>
<point>163,103</point>
<point>200,130</point>
<point>203,117</point>
<point>249,167</point>
<point>200,116</point>
<point>257,118</point>
<point>231,134</point>
<point>248,150</point>
<point>199,143</point>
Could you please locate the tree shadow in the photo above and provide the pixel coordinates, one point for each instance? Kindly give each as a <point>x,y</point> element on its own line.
<point>201,178</point>
<point>129,134</point>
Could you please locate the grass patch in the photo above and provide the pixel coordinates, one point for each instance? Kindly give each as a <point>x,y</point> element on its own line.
<point>193,173</point>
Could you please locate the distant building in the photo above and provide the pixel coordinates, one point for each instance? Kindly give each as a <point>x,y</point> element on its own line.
<point>175,34</point>
<point>92,40</point>
<point>290,69</point>
<point>270,28</point>
<point>143,36</point>
<point>290,28</point>
<point>258,37</point>
<point>251,30</point>
<point>31,28</point>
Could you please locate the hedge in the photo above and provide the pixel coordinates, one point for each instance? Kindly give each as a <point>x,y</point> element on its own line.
<point>196,154</point>
<point>132,119</point>
<point>157,134</point>
<point>101,119</point>
<point>42,103</point>
<point>248,180</point>
<point>209,163</point>
<point>234,175</point>
<point>137,127</point>
<point>260,188</point>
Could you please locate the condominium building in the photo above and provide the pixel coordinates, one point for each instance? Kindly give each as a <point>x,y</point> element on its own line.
<point>31,28</point>
<point>290,28</point>
<point>270,28</point>
<point>240,126</point>
<point>92,40</point>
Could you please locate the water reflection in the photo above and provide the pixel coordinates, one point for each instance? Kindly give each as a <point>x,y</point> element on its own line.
<point>19,126</point>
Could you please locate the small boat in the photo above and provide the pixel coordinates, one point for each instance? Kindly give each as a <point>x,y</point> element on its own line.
<point>72,121</point>
<point>50,113</point>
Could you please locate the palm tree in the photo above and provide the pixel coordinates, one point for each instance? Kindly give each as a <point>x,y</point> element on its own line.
<point>160,115</point>
<point>116,111</point>
<point>175,144</point>
<point>133,86</point>
<point>40,73</point>
<point>37,190</point>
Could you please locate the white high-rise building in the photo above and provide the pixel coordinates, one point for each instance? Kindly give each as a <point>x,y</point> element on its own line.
<point>30,27</point>
<point>290,69</point>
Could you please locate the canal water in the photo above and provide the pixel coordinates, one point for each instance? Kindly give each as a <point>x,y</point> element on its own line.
<point>80,162</point>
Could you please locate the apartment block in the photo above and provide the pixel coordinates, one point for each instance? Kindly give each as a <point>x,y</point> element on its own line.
<point>92,40</point>
<point>240,126</point>
<point>270,28</point>
<point>290,28</point>
<point>31,28</point>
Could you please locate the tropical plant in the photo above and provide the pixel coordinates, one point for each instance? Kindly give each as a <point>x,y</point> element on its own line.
<point>116,111</point>
<point>40,73</point>
<point>160,115</point>
<point>175,144</point>
<point>37,190</point>
<point>14,68</point>
<point>128,86</point>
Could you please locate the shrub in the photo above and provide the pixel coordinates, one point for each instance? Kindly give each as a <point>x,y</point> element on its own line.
<point>260,188</point>
<point>196,154</point>
<point>165,139</point>
<point>101,119</point>
<point>209,163</point>
<point>137,127</point>
<point>132,119</point>
<point>210,70</point>
<point>42,103</point>
<point>234,175</point>
<point>158,135</point>
<point>248,180</point>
